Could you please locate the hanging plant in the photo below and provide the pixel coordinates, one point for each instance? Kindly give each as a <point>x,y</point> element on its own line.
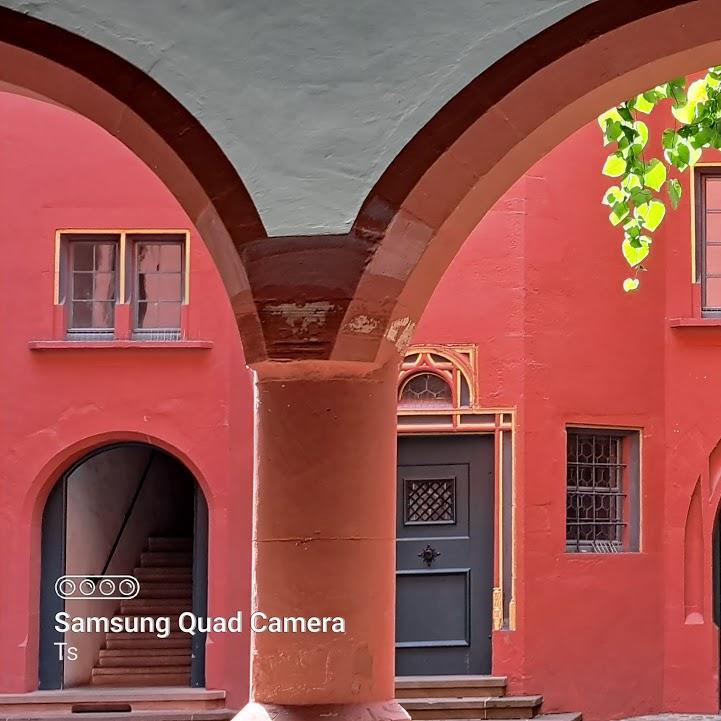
<point>637,201</point>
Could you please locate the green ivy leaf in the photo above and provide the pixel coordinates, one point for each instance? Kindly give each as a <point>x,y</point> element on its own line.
<point>634,252</point>
<point>640,196</point>
<point>625,113</point>
<point>643,104</point>
<point>668,138</point>
<point>612,196</point>
<point>655,174</point>
<point>630,284</point>
<point>652,214</point>
<point>642,130</point>
<point>618,213</point>
<point>614,166</point>
<point>631,181</point>
<point>611,115</point>
<point>673,188</point>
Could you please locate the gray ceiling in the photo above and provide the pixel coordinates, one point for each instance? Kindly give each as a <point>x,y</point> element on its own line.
<point>310,99</point>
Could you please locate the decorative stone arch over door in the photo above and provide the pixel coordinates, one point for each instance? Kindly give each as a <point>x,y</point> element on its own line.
<point>437,394</point>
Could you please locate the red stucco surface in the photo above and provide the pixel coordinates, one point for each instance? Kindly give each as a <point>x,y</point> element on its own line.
<point>58,170</point>
<point>537,287</point>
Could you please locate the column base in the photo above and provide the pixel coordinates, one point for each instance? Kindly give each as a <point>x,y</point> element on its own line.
<point>370,711</point>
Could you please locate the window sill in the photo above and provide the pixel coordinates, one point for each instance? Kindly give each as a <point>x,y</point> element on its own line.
<point>681,323</point>
<point>44,345</point>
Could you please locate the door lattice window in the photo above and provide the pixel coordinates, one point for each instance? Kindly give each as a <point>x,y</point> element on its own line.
<point>429,501</point>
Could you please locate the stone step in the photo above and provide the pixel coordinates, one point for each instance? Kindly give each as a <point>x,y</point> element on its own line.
<point>129,644</point>
<point>122,636</point>
<point>140,670</point>
<point>152,606</point>
<point>170,543</point>
<point>129,652</point>
<point>156,614</point>
<point>141,676</point>
<point>450,686</point>
<point>169,715</point>
<point>473,707</point>
<point>43,704</point>
<point>145,660</point>
<point>161,589</point>
<point>539,717</point>
<point>163,575</point>
<point>166,559</point>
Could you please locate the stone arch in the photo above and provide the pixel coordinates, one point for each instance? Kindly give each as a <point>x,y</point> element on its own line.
<point>358,296</point>
<point>442,183</point>
<point>51,63</point>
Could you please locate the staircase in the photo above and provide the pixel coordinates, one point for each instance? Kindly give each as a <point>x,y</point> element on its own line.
<point>468,697</point>
<point>165,574</point>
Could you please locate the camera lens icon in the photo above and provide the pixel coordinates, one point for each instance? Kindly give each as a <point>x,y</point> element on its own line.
<point>97,587</point>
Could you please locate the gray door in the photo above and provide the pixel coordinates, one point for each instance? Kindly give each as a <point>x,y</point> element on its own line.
<point>444,591</point>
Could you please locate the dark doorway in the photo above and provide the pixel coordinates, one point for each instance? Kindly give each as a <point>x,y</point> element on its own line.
<point>128,509</point>
<point>444,590</point>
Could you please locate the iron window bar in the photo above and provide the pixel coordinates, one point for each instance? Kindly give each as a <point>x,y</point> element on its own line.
<point>595,497</point>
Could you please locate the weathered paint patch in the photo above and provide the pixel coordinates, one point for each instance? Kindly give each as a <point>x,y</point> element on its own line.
<point>301,317</point>
<point>362,324</point>
<point>400,333</point>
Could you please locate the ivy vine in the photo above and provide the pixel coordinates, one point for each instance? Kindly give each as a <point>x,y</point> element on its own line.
<point>637,201</point>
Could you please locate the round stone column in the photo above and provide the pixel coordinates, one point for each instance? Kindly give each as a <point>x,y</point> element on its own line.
<point>324,539</point>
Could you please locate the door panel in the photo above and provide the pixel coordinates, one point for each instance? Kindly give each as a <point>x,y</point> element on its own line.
<point>52,567</point>
<point>444,555</point>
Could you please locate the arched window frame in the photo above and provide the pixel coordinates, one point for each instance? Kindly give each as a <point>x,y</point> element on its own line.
<point>455,365</point>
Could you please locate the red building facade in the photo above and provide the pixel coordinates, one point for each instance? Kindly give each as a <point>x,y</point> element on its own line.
<point>529,330</point>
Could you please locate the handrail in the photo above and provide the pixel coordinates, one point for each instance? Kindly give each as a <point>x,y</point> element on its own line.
<point>129,512</point>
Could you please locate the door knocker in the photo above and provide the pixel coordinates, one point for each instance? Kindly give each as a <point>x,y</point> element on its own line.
<point>428,555</point>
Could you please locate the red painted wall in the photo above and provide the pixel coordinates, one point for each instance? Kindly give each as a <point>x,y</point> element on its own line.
<point>538,287</point>
<point>58,170</point>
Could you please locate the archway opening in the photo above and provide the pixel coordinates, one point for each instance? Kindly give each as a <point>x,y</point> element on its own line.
<point>124,554</point>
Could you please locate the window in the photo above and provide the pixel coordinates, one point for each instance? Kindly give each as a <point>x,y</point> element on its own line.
<point>92,291</point>
<point>158,286</point>
<point>602,490</point>
<point>101,271</point>
<point>426,390</point>
<point>708,237</point>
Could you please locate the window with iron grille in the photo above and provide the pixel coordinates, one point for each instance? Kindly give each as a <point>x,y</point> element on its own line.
<point>601,490</point>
